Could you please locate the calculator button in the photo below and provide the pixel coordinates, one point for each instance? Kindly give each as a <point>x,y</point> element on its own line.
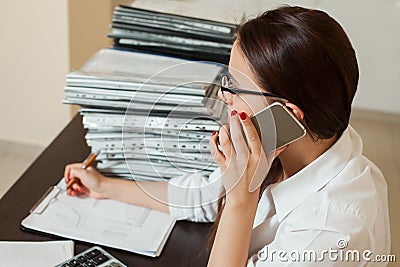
<point>74,263</point>
<point>115,264</point>
<point>92,254</point>
<point>100,259</point>
<point>81,259</point>
<point>88,264</point>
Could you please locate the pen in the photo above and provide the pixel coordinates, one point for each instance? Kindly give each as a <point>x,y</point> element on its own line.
<point>86,163</point>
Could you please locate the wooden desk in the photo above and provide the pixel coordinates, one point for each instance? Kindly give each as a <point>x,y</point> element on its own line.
<point>183,248</point>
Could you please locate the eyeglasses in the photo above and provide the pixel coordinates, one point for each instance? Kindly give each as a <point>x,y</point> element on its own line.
<point>227,86</point>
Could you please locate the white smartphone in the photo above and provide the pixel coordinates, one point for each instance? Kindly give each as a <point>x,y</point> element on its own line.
<point>287,128</point>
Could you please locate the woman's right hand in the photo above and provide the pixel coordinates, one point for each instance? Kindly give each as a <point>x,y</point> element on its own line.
<point>90,181</point>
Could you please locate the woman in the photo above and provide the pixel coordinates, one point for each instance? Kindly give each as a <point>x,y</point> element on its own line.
<point>320,194</point>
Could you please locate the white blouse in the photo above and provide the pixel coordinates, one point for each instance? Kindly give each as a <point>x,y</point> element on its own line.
<point>332,212</point>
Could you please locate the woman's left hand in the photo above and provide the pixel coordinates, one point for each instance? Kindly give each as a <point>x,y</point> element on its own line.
<point>243,165</point>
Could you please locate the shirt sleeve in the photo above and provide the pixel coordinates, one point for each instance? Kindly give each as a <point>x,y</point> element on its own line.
<point>194,197</point>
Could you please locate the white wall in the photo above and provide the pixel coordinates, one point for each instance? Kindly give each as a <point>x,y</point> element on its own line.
<point>33,62</point>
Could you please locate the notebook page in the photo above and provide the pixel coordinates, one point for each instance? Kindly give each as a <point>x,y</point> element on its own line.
<point>35,254</point>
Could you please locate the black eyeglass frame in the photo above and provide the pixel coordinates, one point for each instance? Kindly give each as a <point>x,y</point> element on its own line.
<point>234,91</point>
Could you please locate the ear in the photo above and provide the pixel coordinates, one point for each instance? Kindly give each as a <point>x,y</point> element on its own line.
<point>296,111</point>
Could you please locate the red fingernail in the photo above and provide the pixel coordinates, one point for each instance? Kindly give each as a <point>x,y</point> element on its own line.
<point>233,112</point>
<point>214,133</point>
<point>78,190</point>
<point>242,116</point>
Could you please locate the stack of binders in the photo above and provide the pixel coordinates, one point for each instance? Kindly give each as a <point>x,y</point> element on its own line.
<point>170,34</point>
<point>149,115</point>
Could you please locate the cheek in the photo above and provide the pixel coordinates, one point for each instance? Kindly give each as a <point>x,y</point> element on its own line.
<point>250,105</point>
<point>240,105</point>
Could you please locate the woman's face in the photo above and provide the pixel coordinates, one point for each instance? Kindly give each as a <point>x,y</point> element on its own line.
<point>243,78</point>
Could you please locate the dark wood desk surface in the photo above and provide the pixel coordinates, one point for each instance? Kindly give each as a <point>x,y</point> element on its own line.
<point>183,248</point>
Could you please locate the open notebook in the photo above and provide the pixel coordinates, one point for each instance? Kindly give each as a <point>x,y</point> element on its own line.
<point>104,222</point>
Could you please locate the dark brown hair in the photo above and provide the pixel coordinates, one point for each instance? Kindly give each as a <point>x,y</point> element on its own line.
<point>305,57</point>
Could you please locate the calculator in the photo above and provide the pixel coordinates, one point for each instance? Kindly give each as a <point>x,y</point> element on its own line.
<point>94,256</point>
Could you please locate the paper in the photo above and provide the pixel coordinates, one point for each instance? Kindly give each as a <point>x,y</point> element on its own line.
<point>35,254</point>
<point>105,222</point>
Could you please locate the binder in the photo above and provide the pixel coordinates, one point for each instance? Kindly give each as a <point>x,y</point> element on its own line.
<point>120,80</point>
<point>103,222</point>
<point>145,97</point>
<point>145,122</point>
<point>159,50</point>
<point>138,29</point>
<point>202,28</point>
<point>161,124</point>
